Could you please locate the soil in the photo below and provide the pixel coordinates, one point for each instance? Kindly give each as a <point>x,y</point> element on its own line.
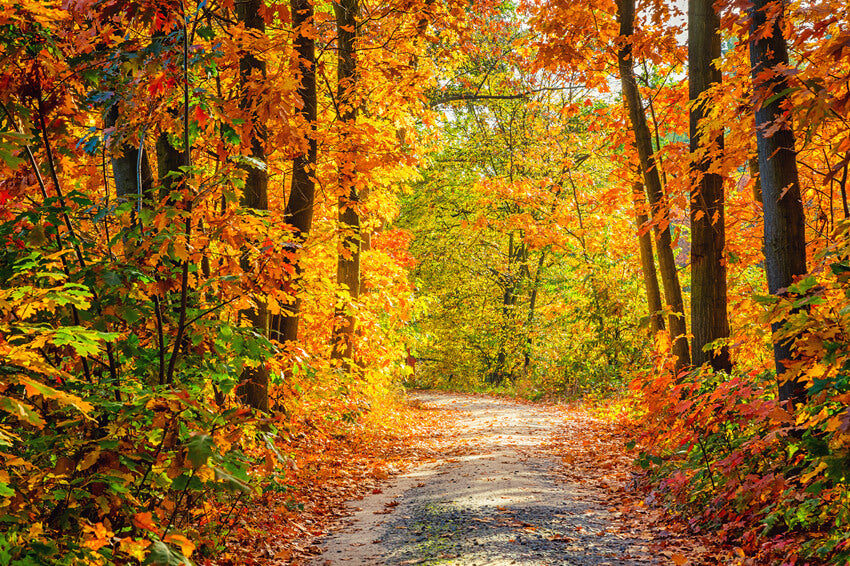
<point>500,494</point>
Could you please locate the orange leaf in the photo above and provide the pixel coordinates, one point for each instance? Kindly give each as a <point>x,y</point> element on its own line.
<point>145,521</point>
<point>187,547</point>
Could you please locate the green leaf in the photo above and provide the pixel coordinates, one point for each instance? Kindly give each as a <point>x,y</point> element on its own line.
<point>206,32</point>
<point>184,481</point>
<point>162,555</point>
<point>86,342</point>
<point>200,448</point>
<point>803,286</point>
<point>22,411</point>
<point>232,483</point>
<point>112,278</point>
<point>5,490</point>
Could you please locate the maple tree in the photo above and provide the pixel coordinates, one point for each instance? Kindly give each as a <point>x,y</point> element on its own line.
<point>709,321</point>
<point>226,223</point>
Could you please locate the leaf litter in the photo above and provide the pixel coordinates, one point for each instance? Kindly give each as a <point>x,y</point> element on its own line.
<point>466,443</point>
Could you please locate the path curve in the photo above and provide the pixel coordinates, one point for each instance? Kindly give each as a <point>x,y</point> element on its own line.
<point>499,500</point>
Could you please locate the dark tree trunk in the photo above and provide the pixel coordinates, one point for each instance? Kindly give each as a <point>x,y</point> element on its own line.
<point>299,206</point>
<point>709,320</point>
<point>348,263</point>
<point>169,160</point>
<point>127,170</point>
<point>784,218</point>
<point>655,191</point>
<point>647,262</point>
<point>255,381</point>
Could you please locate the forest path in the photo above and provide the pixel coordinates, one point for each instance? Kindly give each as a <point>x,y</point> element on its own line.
<point>509,488</point>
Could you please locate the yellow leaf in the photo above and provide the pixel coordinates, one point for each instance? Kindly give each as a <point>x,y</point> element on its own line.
<point>808,477</point>
<point>36,530</point>
<point>134,548</point>
<point>89,460</point>
<point>679,559</point>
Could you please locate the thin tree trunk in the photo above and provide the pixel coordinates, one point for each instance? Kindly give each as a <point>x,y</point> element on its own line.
<point>655,192</point>
<point>299,206</point>
<point>709,320</point>
<point>255,381</point>
<point>133,177</point>
<point>647,262</point>
<point>784,217</point>
<point>348,262</point>
<point>532,305</point>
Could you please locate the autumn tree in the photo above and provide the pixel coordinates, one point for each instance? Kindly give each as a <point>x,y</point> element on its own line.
<point>709,322</point>
<point>348,263</point>
<point>784,216</point>
<point>252,70</point>
<point>299,205</point>
<point>647,260</point>
<point>653,184</point>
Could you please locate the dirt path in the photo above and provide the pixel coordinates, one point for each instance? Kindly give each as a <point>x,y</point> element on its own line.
<point>502,496</point>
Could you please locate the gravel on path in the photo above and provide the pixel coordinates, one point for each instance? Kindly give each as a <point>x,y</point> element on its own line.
<point>498,500</point>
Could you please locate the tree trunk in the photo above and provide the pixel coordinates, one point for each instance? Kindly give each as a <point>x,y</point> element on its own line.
<point>255,381</point>
<point>532,305</point>
<point>753,165</point>
<point>299,206</point>
<point>709,320</point>
<point>784,218</point>
<point>655,192</point>
<point>169,160</point>
<point>647,262</point>
<point>133,177</point>
<point>348,262</point>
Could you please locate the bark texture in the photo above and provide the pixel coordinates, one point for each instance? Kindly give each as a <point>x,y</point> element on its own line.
<point>254,390</point>
<point>784,217</point>
<point>709,320</point>
<point>348,263</point>
<point>647,262</point>
<point>132,176</point>
<point>655,191</point>
<point>299,205</point>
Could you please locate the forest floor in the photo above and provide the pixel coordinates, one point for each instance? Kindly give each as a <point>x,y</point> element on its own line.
<point>482,481</point>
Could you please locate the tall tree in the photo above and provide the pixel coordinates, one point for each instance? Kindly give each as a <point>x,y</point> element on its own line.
<point>709,320</point>
<point>255,387</point>
<point>647,261</point>
<point>299,205</point>
<point>652,181</point>
<point>784,217</point>
<point>348,263</point>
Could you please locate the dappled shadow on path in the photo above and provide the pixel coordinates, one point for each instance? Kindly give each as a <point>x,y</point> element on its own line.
<point>505,518</point>
<point>496,498</point>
